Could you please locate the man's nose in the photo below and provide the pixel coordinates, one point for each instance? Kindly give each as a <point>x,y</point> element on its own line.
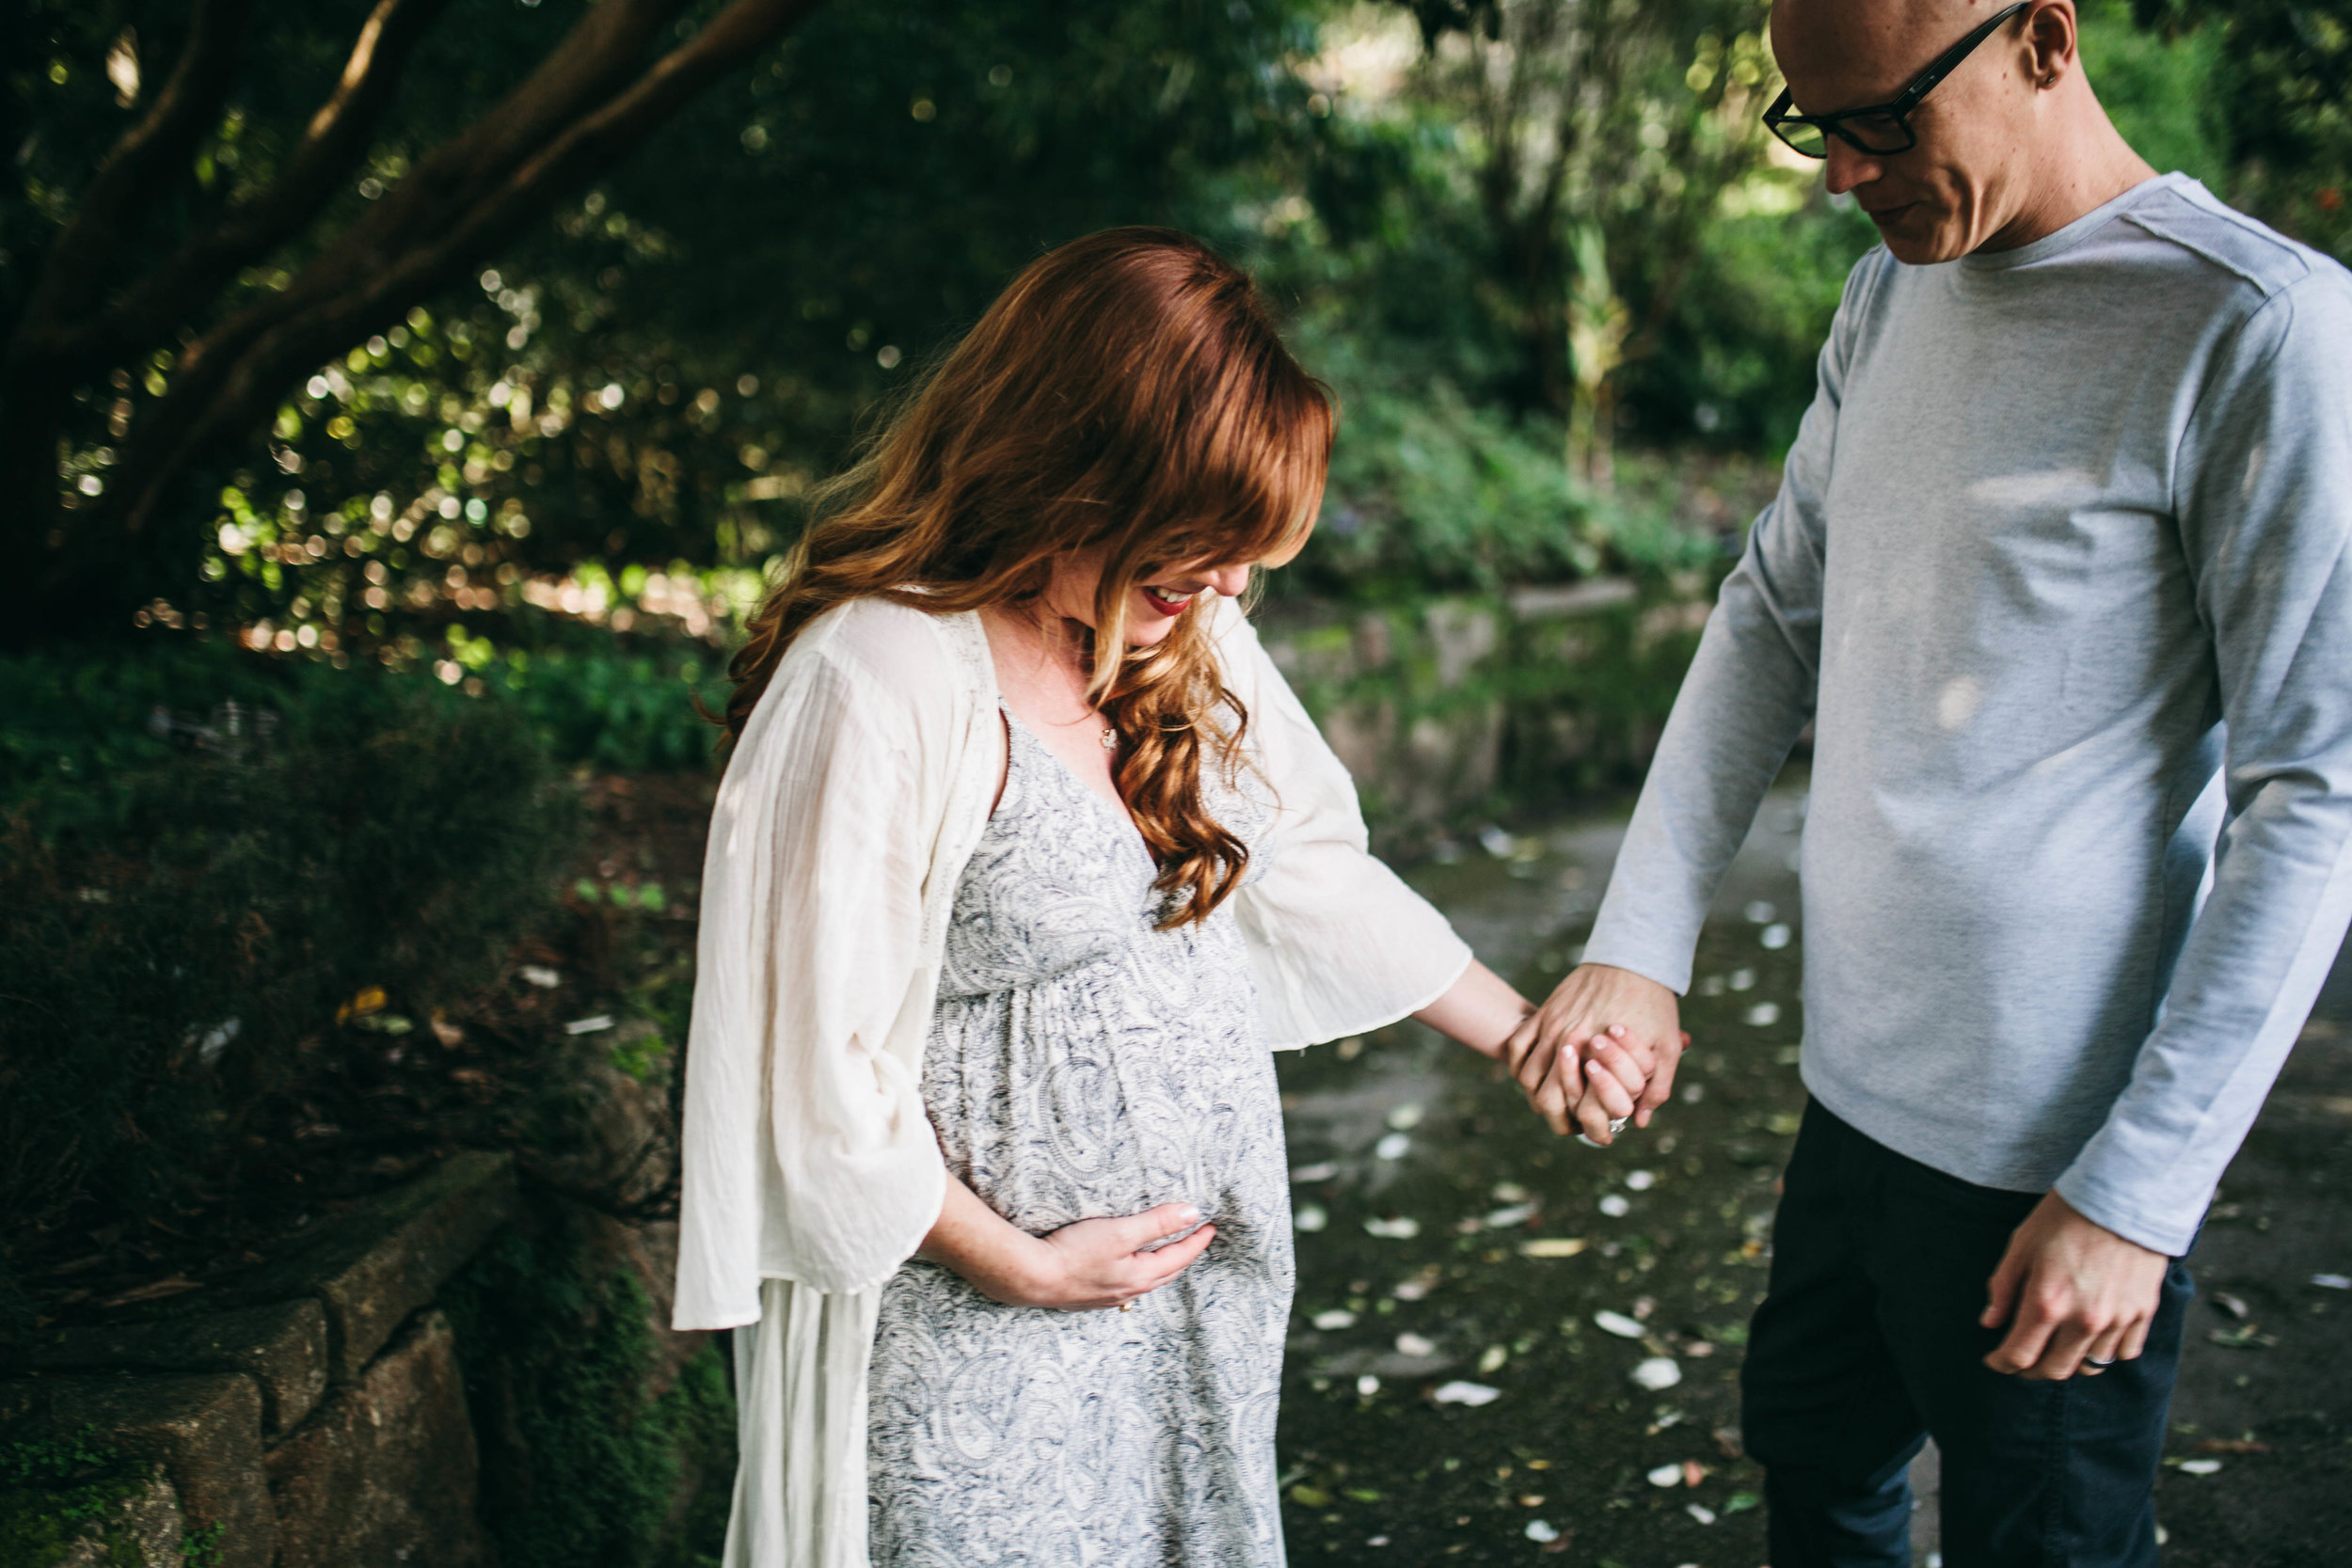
<point>1848,166</point>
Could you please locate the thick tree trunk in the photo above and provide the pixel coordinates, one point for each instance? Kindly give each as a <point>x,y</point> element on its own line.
<point>81,567</point>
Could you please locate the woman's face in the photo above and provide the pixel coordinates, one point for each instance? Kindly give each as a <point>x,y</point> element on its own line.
<point>1154,604</point>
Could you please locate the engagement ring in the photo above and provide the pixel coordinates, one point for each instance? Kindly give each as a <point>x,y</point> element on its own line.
<point>2094,1361</point>
<point>1616,1125</point>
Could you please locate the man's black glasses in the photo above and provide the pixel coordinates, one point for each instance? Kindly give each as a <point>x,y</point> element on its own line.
<point>1881,128</point>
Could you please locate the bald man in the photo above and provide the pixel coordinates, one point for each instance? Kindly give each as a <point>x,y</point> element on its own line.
<point>2058,571</point>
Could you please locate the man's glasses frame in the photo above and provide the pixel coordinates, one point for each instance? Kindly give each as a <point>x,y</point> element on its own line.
<point>1878,129</point>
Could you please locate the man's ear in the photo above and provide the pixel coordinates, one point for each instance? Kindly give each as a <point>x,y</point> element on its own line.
<point>2050,41</point>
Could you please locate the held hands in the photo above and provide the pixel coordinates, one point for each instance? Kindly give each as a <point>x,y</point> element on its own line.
<point>2077,1297</point>
<point>1603,1047</point>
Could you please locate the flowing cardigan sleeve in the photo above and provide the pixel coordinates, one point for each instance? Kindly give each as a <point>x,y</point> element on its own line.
<point>807,1155</point>
<point>1339,943</point>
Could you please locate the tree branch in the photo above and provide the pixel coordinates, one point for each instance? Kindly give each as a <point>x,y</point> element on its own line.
<point>228,380</point>
<point>73,276</point>
<point>335,140</point>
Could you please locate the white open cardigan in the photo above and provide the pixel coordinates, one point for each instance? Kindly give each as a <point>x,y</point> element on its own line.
<point>859,788</point>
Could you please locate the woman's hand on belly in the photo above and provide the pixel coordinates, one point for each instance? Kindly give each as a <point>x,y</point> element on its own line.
<point>1080,1268</point>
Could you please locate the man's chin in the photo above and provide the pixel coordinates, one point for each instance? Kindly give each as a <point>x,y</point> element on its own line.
<point>1914,237</point>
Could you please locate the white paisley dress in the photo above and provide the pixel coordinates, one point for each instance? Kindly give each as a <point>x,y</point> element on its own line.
<point>1083,1063</point>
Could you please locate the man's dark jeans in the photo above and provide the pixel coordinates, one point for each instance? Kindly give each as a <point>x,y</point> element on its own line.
<point>1868,1343</point>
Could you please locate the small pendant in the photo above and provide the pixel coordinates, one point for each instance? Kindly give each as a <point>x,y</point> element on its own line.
<point>1109,738</point>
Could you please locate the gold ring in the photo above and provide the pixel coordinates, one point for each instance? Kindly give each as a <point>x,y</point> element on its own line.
<point>1126,1307</point>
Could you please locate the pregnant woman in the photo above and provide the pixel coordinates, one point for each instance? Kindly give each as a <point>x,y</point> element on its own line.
<point>1025,857</point>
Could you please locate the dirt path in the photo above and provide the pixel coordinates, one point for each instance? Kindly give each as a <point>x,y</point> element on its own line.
<point>1508,1349</point>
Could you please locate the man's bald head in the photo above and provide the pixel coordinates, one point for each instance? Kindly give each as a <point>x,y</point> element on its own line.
<point>2007,146</point>
<point>1875,45</point>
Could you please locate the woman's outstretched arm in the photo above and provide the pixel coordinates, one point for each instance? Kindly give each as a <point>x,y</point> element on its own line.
<point>1485,1012</point>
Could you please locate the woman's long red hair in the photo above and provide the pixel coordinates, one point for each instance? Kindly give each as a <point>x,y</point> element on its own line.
<point>1127,395</point>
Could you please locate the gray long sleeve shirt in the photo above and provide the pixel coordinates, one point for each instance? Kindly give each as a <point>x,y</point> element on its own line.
<point>2062,568</point>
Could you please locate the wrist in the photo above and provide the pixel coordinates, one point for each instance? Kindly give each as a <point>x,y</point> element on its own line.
<point>1029,1273</point>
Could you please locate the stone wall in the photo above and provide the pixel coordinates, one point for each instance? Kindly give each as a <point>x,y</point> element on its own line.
<point>318,1421</point>
<point>1453,712</point>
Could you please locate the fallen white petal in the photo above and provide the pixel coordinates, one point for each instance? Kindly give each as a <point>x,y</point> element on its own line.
<point>1657,1373</point>
<point>1472,1394</point>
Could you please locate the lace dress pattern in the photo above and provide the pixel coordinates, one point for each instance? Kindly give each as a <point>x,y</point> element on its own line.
<point>1082,1064</point>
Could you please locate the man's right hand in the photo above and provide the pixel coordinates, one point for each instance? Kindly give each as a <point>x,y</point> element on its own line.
<point>1546,1054</point>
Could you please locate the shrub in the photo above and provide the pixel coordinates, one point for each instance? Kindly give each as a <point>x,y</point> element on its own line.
<point>583,1462</point>
<point>1431,493</point>
<point>180,922</point>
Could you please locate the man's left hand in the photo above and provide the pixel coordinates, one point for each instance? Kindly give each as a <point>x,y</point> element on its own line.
<point>2077,1297</point>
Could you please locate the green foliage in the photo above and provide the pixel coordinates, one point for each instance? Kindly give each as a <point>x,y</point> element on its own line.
<point>179,927</point>
<point>585,1466</point>
<point>1435,493</point>
<point>2280,75</point>
<point>54,1491</point>
<point>2162,93</point>
<point>655,373</point>
<point>201,1548</point>
<point>613,706</point>
<point>1736,361</point>
<point>1432,493</point>
<point>649,383</point>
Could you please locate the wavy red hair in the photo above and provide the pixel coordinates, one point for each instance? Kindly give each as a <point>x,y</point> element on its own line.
<point>1128,395</point>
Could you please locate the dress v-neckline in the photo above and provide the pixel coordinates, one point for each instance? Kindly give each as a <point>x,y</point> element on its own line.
<point>1116,809</point>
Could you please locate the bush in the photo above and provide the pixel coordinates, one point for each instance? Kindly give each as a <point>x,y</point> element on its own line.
<point>613,706</point>
<point>181,919</point>
<point>1431,493</point>
<point>583,1462</point>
